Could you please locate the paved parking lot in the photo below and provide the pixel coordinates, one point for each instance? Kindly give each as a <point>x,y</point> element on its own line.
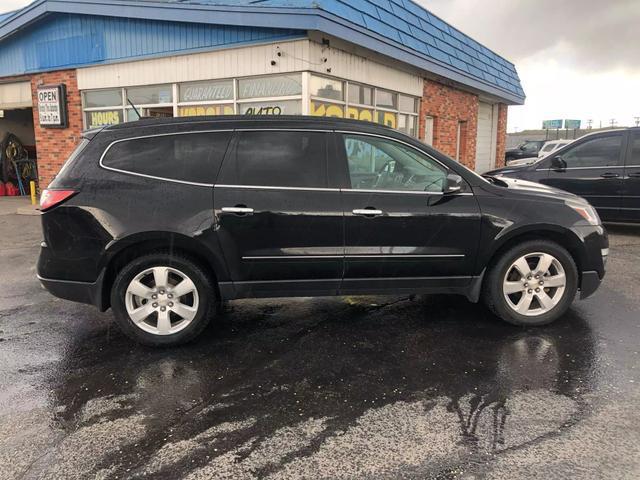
<point>374,387</point>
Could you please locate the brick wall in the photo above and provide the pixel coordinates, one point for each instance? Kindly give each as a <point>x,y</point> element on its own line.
<point>54,145</point>
<point>449,106</point>
<point>502,134</point>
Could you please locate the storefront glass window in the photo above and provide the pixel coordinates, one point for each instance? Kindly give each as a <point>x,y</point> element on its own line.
<point>360,94</point>
<point>408,104</point>
<point>101,118</point>
<point>407,124</point>
<point>267,87</point>
<point>103,98</point>
<point>200,110</point>
<point>206,91</point>
<point>388,119</point>
<point>153,112</point>
<point>284,107</point>
<point>150,95</point>
<point>319,108</point>
<point>386,99</point>
<point>326,88</point>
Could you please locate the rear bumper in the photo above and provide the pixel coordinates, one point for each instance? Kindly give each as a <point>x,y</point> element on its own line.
<point>82,292</point>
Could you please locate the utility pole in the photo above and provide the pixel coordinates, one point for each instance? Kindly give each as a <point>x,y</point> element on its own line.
<point>612,122</point>
<point>637,120</point>
<point>589,123</point>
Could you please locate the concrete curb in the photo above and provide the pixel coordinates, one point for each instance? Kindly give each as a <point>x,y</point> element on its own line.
<point>29,210</point>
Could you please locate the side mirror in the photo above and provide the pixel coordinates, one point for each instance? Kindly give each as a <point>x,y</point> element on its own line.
<point>557,163</point>
<point>453,183</point>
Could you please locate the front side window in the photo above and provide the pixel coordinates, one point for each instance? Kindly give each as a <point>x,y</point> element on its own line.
<point>383,164</point>
<point>596,152</point>
<point>278,159</point>
<point>193,157</point>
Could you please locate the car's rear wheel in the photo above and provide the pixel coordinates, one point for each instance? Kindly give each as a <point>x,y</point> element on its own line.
<point>161,299</point>
<point>533,283</point>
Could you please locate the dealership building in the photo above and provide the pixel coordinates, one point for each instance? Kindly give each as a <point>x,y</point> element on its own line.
<point>71,65</point>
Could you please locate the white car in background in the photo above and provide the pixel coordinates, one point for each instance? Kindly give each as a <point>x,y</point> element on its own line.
<point>547,149</point>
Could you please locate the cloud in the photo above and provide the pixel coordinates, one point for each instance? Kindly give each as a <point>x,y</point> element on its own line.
<point>590,35</point>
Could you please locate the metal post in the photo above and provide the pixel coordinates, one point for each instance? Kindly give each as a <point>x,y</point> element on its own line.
<point>32,187</point>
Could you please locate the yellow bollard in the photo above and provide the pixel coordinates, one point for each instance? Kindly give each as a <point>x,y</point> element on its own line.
<point>32,186</point>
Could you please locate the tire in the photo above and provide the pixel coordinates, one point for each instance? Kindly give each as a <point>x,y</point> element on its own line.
<point>506,290</point>
<point>165,319</point>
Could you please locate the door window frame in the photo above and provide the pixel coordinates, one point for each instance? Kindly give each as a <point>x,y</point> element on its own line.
<point>342,169</point>
<point>561,151</point>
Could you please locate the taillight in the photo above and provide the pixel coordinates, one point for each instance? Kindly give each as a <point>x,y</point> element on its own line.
<point>51,198</point>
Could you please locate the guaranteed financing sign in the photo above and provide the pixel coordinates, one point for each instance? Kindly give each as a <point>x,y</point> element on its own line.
<point>52,106</point>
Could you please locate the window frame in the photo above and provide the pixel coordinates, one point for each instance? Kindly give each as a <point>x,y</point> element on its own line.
<point>561,151</point>
<point>232,157</point>
<point>168,134</point>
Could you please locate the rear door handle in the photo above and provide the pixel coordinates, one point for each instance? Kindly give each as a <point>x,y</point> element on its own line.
<point>367,212</point>
<point>238,210</point>
<point>610,175</point>
<point>634,175</point>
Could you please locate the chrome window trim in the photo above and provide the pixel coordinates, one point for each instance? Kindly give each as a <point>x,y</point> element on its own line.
<point>581,168</point>
<point>411,192</point>
<point>144,175</point>
<point>269,187</point>
<point>380,255</point>
<point>283,129</point>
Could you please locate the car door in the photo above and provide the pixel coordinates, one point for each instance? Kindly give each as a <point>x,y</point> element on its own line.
<point>630,209</point>
<point>594,169</point>
<point>400,229</point>
<point>279,225</point>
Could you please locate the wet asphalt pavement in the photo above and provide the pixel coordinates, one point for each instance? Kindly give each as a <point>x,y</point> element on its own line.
<point>374,387</point>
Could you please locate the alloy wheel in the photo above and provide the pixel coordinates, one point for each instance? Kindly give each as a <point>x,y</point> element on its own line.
<point>162,300</point>
<point>534,284</point>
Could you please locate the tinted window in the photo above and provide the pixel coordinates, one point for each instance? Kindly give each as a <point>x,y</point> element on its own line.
<point>382,164</point>
<point>280,159</point>
<point>193,157</point>
<point>634,159</point>
<point>530,147</point>
<point>597,152</point>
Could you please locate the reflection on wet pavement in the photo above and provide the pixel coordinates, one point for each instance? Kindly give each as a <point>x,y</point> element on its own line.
<point>357,387</point>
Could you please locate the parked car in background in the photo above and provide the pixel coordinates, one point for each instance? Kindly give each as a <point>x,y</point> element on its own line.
<point>551,146</point>
<point>602,167</point>
<point>160,219</point>
<point>547,149</point>
<point>529,148</point>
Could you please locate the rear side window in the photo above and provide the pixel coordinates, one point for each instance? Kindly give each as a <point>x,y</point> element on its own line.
<point>279,159</point>
<point>192,157</point>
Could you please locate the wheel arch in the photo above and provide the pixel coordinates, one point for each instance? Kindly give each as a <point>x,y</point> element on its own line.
<point>562,236</point>
<point>129,248</point>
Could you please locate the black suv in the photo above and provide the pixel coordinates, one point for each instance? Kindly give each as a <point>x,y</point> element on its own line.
<point>527,149</point>
<point>161,219</point>
<point>602,167</point>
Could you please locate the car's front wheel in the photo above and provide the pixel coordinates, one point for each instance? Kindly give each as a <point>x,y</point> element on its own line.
<point>162,300</point>
<point>532,283</point>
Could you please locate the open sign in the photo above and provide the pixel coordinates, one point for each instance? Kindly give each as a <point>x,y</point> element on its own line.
<point>52,106</point>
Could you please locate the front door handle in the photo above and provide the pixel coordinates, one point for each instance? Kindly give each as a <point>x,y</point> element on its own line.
<point>238,210</point>
<point>634,175</point>
<point>610,175</point>
<point>367,212</point>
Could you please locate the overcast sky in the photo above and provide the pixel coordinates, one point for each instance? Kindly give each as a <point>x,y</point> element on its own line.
<point>577,59</point>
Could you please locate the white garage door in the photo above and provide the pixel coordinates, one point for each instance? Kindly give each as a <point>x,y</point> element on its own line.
<point>15,95</point>
<point>486,141</point>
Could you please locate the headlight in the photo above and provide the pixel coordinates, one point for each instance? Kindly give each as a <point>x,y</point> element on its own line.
<point>586,211</point>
